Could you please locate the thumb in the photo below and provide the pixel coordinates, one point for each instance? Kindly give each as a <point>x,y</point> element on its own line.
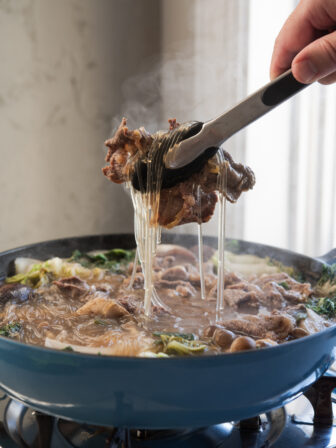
<point>317,60</point>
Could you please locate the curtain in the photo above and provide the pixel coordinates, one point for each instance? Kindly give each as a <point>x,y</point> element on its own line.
<point>293,151</point>
<point>214,53</point>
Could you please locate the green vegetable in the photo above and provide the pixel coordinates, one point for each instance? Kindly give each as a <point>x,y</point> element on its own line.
<point>232,246</point>
<point>177,347</point>
<point>10,329</point>
<point>300,316</point>
<point>326,286</point>
<point>288,269</point>
<point>68,348</point>
<point>42,273</point>
<point>38,275</point>
<point>328,274</point>
<point>115,260</point>
<point>324,305</point>
<point>285,285</point>
<point>100,322</point>
<point>177,344</point>
<point>187,336</point>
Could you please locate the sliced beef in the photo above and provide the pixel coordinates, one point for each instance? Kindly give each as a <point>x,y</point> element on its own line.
<point>72,287</point>
<point>275,327</point>
<point>175,273</point>
<point>185,288</point>
<point>130,303</point>
<point>184,202</point>
<point>272,297</point>
<point>15,292</point>
<point>121,147</point>
<point>281,288</point>
<point>313,322</point>
<point>178,205</point>
<point>239,294</point>
<point>102,307</point>
<point>287,283</point>
<point>236,298</point>
<point>231,278</point>
<point>138,282</point>
<point>168,255</point>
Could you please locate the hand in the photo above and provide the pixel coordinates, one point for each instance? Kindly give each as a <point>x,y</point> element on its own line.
<point>307,42</point>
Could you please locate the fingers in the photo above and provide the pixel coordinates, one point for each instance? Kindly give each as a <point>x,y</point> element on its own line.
<point>317,61</point>
<point>296,33</point>
<point>307,23</point>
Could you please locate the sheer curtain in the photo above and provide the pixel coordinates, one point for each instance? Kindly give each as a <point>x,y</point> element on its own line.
<point>205,57</point>
<point>216,53</point>
<point>292,151</point>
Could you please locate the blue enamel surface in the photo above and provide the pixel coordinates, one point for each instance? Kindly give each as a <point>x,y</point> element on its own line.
<point>160,393</point>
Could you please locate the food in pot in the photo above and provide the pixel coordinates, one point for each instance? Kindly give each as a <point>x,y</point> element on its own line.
<point>179,204</point>
<point>156,205</point>
<point>92,303</point>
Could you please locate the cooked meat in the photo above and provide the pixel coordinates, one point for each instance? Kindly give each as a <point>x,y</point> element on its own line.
<point>102,307</point>
<point>121,148</point>
<point>182,203</point>
<point>94,312</point>
<point>276,327</point>
<point>272,297</point>
<point>186,288</point>
<point>173,124</point>
<point>231,278</point>
<point>130,303</point>
<point>171,255</point>
<point>175,273</point>
<point>71,286</point>
<point>15,292</point>
<point>287,283</point>
<point>178,205</point>
<point>234,298</point>
<point>313,323</point>
<point>138,282</point>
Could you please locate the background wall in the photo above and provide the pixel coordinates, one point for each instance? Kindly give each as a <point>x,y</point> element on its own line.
<point>71,69</point>
<point>63,66</point>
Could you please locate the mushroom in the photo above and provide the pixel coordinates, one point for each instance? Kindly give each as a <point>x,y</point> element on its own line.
<point>260,343</point>
<point>242,343</point>
<point>299,333</point>
<point>223,338</point>
<point>209,331</point>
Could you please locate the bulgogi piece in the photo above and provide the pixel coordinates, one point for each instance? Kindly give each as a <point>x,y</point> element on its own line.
<point>185,202</point>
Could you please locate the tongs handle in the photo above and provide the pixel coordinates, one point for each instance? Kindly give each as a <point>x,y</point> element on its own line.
<point>217,131</point>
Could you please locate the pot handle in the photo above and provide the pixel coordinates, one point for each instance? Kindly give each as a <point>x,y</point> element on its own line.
<point>329,257</point>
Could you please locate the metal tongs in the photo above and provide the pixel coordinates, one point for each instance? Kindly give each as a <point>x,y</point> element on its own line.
<point>202,140</point>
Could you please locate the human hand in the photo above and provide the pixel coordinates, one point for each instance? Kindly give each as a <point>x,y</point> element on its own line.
<point>307,42</point>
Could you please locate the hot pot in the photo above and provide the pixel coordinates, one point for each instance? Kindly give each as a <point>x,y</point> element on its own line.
<point>162,393</point>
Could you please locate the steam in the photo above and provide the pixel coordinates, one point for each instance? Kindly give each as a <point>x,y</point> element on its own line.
<point>172,86</point>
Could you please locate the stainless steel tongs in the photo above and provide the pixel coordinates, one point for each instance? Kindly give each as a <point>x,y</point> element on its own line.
<point>186,152</point>
<point>215,132</point>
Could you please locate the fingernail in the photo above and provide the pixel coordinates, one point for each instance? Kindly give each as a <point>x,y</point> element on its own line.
<point>306,71</point>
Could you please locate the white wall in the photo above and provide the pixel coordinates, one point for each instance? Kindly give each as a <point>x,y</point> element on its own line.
<point>63,67</point>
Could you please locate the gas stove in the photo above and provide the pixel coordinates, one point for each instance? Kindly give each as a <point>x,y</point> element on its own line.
<point>305,422</point>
